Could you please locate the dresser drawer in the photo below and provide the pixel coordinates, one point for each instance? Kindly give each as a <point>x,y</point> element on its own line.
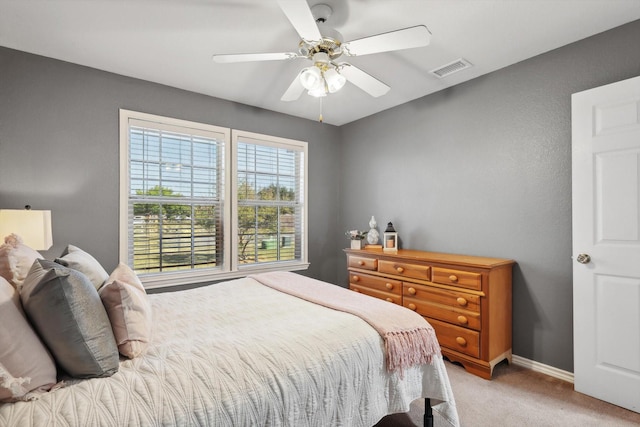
<point>460,317</point>
<point>456,338</point>
<point>464,279</point>
<point>422,272</point>
<point>363,262</point>
<point>379,283</point>
<point>452,298</point>
<point>387,296</point>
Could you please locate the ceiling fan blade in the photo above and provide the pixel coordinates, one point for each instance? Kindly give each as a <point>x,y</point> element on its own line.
<point>299,14</point>
<point>407,38</point>
<point>248,57</point>
<point>364,81</point>
<point>294,91</point>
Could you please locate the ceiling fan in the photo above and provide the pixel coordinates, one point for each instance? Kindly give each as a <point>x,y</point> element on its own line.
<point>324,46</point>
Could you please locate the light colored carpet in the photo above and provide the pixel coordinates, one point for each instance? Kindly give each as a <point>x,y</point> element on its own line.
<point>518,397</point>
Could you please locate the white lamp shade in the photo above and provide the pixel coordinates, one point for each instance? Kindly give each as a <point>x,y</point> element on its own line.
<point>311,78</point>
<point>34,227</point>
<point>335,81</point>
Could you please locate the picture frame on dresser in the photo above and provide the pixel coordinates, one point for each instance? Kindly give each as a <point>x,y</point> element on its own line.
<point>467,299</point>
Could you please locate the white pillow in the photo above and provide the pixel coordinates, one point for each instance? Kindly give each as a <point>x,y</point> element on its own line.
<point>16,259</point>
<point>26,367</point>
<point>77,259</point>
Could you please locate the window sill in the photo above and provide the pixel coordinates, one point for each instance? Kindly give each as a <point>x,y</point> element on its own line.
<point>164,280</point>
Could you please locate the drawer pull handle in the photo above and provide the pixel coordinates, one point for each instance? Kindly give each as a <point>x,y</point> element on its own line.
<point>399,269</point>
<point>355,278</point>
<point>461,341</point>
<point>453,278</point>
<point>360,262</point>
<point>412,291</point>
<point>462,301</point>
<point>462,319</point>
<point>412,307</point>
<point>389,286</point>
<point>390,299</point>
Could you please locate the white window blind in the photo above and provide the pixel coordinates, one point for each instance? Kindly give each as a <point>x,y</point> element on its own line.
<point>198,205</point>
<point>175,200</point>
<point>270,199</point>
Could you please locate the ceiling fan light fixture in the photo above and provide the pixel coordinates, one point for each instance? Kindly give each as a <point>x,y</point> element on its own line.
<point>323,45</point>
<point>311,78</point>
<point>318,92</point>
<point>335,80</point>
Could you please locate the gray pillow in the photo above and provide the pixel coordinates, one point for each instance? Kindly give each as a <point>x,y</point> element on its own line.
<point>66,311</point>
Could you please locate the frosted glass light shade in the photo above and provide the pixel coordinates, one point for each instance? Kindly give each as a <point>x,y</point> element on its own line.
<point>318,92</point>
<point>335,81</point>
<point>311,78</point>
<point>34,227</point>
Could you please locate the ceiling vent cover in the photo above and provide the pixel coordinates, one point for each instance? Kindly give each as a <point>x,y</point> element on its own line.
<point>452,67</point>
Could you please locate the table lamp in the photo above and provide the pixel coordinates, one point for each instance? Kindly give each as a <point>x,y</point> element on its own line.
<point>33,226</point>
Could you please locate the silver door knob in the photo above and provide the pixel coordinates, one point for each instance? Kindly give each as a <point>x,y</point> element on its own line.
<point>583,258</point>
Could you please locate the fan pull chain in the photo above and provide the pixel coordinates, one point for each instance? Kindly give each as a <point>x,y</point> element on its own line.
<point>320,118</point>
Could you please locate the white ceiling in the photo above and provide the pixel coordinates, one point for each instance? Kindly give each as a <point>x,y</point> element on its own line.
<point>171,42</point>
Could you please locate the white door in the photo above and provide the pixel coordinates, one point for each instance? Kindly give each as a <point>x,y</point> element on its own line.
<point>606,229</point>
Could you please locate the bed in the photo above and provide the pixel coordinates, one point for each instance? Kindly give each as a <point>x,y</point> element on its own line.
<point>242,353</point>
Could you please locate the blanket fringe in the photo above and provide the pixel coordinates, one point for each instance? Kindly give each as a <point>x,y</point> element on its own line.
<point>408,348</point>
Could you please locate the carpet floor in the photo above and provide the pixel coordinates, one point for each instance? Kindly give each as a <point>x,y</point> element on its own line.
<point>517,396</point>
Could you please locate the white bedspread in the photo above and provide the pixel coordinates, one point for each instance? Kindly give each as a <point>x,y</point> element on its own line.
<point>242,354</point>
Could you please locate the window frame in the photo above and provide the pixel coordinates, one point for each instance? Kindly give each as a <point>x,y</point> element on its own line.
<point>275,142</point>
<point>230,268</point>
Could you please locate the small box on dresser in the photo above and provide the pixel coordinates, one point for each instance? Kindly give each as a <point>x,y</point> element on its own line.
<point>467,299</point>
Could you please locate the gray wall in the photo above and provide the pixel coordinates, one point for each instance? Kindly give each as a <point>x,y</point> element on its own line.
<point>484,168</point>
<point>59,150</point>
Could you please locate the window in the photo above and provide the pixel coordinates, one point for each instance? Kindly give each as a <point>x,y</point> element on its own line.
<point>269,201</point>
<point>203,203</point>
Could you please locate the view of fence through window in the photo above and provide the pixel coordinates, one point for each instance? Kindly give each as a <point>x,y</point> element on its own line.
<point>268,199</point>
<point>175,200</point>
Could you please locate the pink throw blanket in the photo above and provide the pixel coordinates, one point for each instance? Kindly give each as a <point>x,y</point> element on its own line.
<point>408,338</point>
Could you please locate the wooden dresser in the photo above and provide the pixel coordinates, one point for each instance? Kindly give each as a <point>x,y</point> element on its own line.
<point>467,299</point>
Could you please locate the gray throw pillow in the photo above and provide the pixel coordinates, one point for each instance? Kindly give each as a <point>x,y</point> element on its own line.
<point>66,311</point>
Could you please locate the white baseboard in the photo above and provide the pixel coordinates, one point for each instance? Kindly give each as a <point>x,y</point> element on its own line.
<point>542,368</point>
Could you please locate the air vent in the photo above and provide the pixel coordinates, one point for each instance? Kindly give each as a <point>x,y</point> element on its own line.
<point>452,67</point>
